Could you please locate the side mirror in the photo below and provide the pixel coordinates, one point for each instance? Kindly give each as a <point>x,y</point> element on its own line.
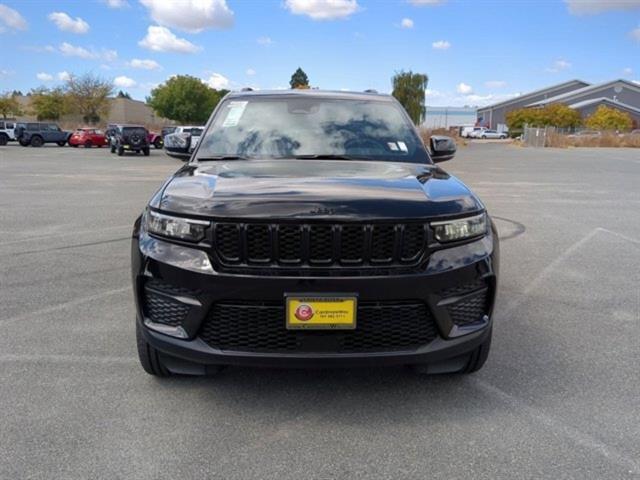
<point>442,148</point>
<point>177,145</point>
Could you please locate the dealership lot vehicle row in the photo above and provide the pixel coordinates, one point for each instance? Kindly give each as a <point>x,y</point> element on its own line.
<point>556,396</point>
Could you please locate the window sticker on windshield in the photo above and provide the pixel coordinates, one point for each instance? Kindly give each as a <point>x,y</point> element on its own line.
<point>392,146</point>
<point>234,113</point>
<point>403,146</point>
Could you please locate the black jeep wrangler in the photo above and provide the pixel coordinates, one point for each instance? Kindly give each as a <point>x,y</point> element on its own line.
<point>129,138</point>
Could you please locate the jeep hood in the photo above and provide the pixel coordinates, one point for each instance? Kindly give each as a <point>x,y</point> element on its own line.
<point>261,189</point>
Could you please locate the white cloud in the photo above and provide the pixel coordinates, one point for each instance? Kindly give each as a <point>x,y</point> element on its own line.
<point>250,72</point>
<point>67,24</point>
<point>190,15</point>
<point>124,82</point>
<point>109,55</point>
<point>323,9</point>
<point>464,89</point>
<point>44,77</point>
<point>116,3</point>
<point>635,34</point>
<point>64,76</point>
<point>428,93</point>
<point>591,7</point>
<point>69,50</point>
<point>425,3</point>
<point>441,45</point>
<point>558,66</point>
<point>627,71</point>
<point>482,100</point>
<point>10,19</point>
<point>161,39</point>
<point>406,23</point>
<point>5,73</point>
<point>145,64</point>
<point>264,41</point>
<point>495,84</point>
<point>72,51</point>
<point>218,81</point>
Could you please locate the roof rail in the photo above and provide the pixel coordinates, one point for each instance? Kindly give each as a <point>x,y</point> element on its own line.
<point>246,89</point>
<point>371,90</point>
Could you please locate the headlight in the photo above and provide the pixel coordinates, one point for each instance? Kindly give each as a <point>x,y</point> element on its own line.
<point>460,229</point>
<point>175,227</point>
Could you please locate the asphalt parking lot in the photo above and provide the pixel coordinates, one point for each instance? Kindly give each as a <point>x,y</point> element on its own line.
<point>559,397</point>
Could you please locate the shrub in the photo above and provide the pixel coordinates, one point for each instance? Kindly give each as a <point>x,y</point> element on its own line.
<point>608,118</point>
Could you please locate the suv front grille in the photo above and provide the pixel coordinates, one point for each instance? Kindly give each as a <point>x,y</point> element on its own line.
<point>252,245</point>
<point>380,327</point>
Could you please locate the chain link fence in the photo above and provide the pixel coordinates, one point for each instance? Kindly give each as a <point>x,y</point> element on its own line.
<point>537,136</point>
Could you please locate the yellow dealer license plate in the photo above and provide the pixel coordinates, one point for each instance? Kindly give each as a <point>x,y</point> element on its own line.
<point>321,312</point>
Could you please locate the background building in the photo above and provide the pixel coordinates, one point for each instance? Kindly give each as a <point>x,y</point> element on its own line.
<point>447,117</point>
<point>122,110</point>
<point>582,96</point>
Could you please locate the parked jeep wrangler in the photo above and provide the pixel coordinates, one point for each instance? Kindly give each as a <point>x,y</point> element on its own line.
<point>7,131</point>
<point>37,134</point>
<point>129,138</point>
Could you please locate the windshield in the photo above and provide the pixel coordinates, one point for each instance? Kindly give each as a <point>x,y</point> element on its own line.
<point>295,126</point>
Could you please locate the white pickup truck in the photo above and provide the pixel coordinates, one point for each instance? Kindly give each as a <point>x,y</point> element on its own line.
<point>7,131</point>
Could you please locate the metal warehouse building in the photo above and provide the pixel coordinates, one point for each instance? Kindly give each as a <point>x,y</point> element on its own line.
<point>582,96</point>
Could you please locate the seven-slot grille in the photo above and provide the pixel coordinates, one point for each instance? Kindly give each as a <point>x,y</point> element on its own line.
<point>319,245</point>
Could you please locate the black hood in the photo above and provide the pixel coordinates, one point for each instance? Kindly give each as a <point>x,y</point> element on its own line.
<point>344,189</point>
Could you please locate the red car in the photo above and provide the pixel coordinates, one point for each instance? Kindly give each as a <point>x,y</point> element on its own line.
<point>155,140</point>
<point>88,137</point>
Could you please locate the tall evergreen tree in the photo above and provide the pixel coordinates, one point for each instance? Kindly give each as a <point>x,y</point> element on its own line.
<point>299,79</point>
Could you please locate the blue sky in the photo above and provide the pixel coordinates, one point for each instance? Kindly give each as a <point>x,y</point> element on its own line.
<point>475,52</point>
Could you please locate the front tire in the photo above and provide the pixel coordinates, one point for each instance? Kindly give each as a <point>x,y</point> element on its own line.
<point>120,151</point>
<point>158,143</point>
<point>23,143</point>
<point>149,356</point>
<point>4,138</point>
<point>62,143</point>
<point>146,151</point>
<point>87,144</point>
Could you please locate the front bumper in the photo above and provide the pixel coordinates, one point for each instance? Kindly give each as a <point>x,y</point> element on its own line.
<point>193,288</point>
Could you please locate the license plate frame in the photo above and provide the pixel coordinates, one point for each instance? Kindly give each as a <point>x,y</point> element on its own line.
<point>329,311</point>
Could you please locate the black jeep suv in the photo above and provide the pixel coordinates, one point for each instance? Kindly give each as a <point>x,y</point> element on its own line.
<point>37,134</point>
<point>128,138</point>
<point>310,229</point>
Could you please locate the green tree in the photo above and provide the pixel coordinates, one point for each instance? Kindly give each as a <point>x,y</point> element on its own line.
<point>608,118</point>
<point>49,104</point>
<point>185,99</point>
<point>9,106</point>
<point>554,115</point>
<point>89,96</point>
<point>122,94</point>
<point>299,79</point>
<point>408,89</point>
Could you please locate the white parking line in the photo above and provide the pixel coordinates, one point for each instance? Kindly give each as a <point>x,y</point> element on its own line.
<point>547,270</point>
<point>561,428</point>
<point>66,234</point>
<point>62,306</point>
<point>82,359</point>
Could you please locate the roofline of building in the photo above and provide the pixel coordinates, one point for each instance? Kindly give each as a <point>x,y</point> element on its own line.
<point>535,92</point>
<point>581,91</point>
<point>608,100</point>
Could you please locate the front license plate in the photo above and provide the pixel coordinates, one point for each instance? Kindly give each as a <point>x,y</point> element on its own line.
<point>321,312</point>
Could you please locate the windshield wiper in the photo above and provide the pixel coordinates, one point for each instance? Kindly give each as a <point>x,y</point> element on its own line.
<point>222,157</point>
